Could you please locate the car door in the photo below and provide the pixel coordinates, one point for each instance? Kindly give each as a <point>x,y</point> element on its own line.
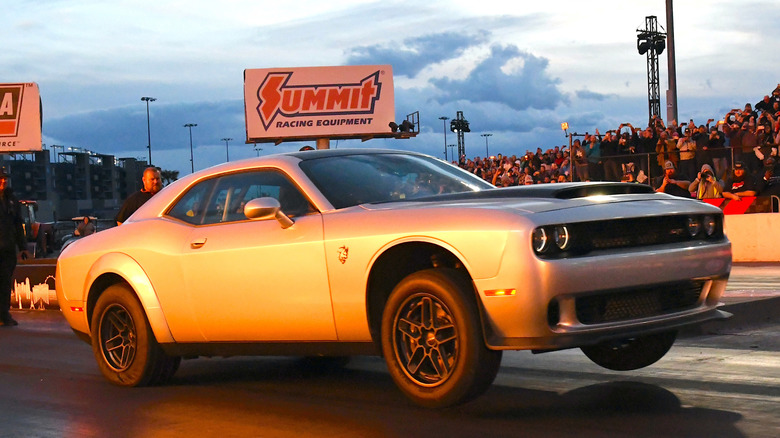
<point>252,280</point>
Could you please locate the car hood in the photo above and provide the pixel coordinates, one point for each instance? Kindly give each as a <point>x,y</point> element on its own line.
<point>538,199</point>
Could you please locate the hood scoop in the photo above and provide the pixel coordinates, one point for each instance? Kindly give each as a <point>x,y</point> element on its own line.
<point>549,191</point>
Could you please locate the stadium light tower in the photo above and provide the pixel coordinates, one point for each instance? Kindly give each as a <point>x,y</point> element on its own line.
<point>460,126</point>
<point>651,42</point>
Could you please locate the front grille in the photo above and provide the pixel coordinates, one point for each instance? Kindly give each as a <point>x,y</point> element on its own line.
<point>640,231</point>
<point>587,237</point>
<point>638,303</point>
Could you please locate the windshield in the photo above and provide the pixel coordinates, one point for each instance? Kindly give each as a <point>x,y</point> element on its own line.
<point>372,178</point>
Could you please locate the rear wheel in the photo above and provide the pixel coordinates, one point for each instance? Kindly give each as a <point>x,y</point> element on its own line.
<point>124,346</point>
<point>631,354</point>
<point>432,340</point>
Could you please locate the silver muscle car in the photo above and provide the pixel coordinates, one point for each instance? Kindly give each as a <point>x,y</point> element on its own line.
<point>355,252</point>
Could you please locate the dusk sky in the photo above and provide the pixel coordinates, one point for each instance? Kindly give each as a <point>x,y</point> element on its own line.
<point>515,69</point>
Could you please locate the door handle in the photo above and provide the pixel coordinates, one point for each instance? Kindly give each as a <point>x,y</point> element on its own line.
<point>197,243</point>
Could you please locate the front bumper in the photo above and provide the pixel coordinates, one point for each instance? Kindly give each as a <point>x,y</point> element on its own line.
<point>575,302</point>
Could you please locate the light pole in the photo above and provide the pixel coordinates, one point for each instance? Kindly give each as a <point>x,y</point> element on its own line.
<point>227,152</point>
<point>444,122</point>
<point>451,146</point>
<point>148,127</point>
<point>487,150</point>
<point>192,157</point>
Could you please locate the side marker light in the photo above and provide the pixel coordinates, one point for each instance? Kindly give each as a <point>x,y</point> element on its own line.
<point>500,292</point>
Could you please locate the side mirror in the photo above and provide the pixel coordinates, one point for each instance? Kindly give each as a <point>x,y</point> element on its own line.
<point>267,208</point>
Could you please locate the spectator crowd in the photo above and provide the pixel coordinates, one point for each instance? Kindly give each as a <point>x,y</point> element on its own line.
<point>733,157</point>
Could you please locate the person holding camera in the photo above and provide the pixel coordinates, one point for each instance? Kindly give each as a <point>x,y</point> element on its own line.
<point>592,150</point>
<point>580,161</point>
<point>686,147</point>
<point>716,146</point>
<point>666,150</point>
<point>667,183</point>
<point>706,185</point>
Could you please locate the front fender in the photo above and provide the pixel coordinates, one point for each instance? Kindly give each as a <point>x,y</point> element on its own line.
<point>126,267</point>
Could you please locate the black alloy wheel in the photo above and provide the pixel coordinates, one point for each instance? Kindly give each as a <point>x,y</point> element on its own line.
<point>118,338</point>
<point>425,339</point>
<point>432,339</point>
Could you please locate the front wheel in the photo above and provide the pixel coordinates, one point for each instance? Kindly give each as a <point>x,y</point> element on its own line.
<point>633,353</point>
<point>432,340</point>
<point>124,346</point>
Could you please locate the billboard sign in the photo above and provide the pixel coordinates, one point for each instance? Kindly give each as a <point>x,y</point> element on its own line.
<point>288,104</point>
<point>20,117</point>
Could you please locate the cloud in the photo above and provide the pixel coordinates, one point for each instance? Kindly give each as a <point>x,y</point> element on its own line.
<point>528,86</point>
<point>592,95</point>
<point>125,128</point>
<point>412,55</point>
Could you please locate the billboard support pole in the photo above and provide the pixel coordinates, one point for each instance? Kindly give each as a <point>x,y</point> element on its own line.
<point>323,143</point>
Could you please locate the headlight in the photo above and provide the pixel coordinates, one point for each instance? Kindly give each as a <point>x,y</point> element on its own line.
<point>710,225</point>
<point>561,237</point>
<point>539,240</point>
<point>694,225</point>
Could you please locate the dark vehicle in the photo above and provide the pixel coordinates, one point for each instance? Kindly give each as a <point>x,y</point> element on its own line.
<point>40,235</point>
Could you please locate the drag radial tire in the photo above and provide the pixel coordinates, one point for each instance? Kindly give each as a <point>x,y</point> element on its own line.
<point>633,353</point>
<point>125,348</point>
<point>432,339</point>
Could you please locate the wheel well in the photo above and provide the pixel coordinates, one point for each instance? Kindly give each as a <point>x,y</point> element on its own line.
<point>96,290</point>
<point>393,266</point>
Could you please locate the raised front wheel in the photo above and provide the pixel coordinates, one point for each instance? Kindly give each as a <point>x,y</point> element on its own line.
<point>633,353</point>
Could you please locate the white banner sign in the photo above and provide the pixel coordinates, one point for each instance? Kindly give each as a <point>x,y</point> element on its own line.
<point>284,104</point>
<point>20,117</point>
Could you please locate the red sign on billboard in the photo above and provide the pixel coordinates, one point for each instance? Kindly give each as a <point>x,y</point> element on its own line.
<point>285,104</point>
<point>20,118</point>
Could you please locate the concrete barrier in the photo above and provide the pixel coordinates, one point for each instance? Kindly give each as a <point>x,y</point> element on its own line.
<point>754,237</point>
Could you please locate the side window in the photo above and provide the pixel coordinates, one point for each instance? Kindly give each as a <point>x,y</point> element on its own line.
<point>191,206</point>
<point>223,199</point>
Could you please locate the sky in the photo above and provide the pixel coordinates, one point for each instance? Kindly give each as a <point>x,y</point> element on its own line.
<point>516,70</point>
